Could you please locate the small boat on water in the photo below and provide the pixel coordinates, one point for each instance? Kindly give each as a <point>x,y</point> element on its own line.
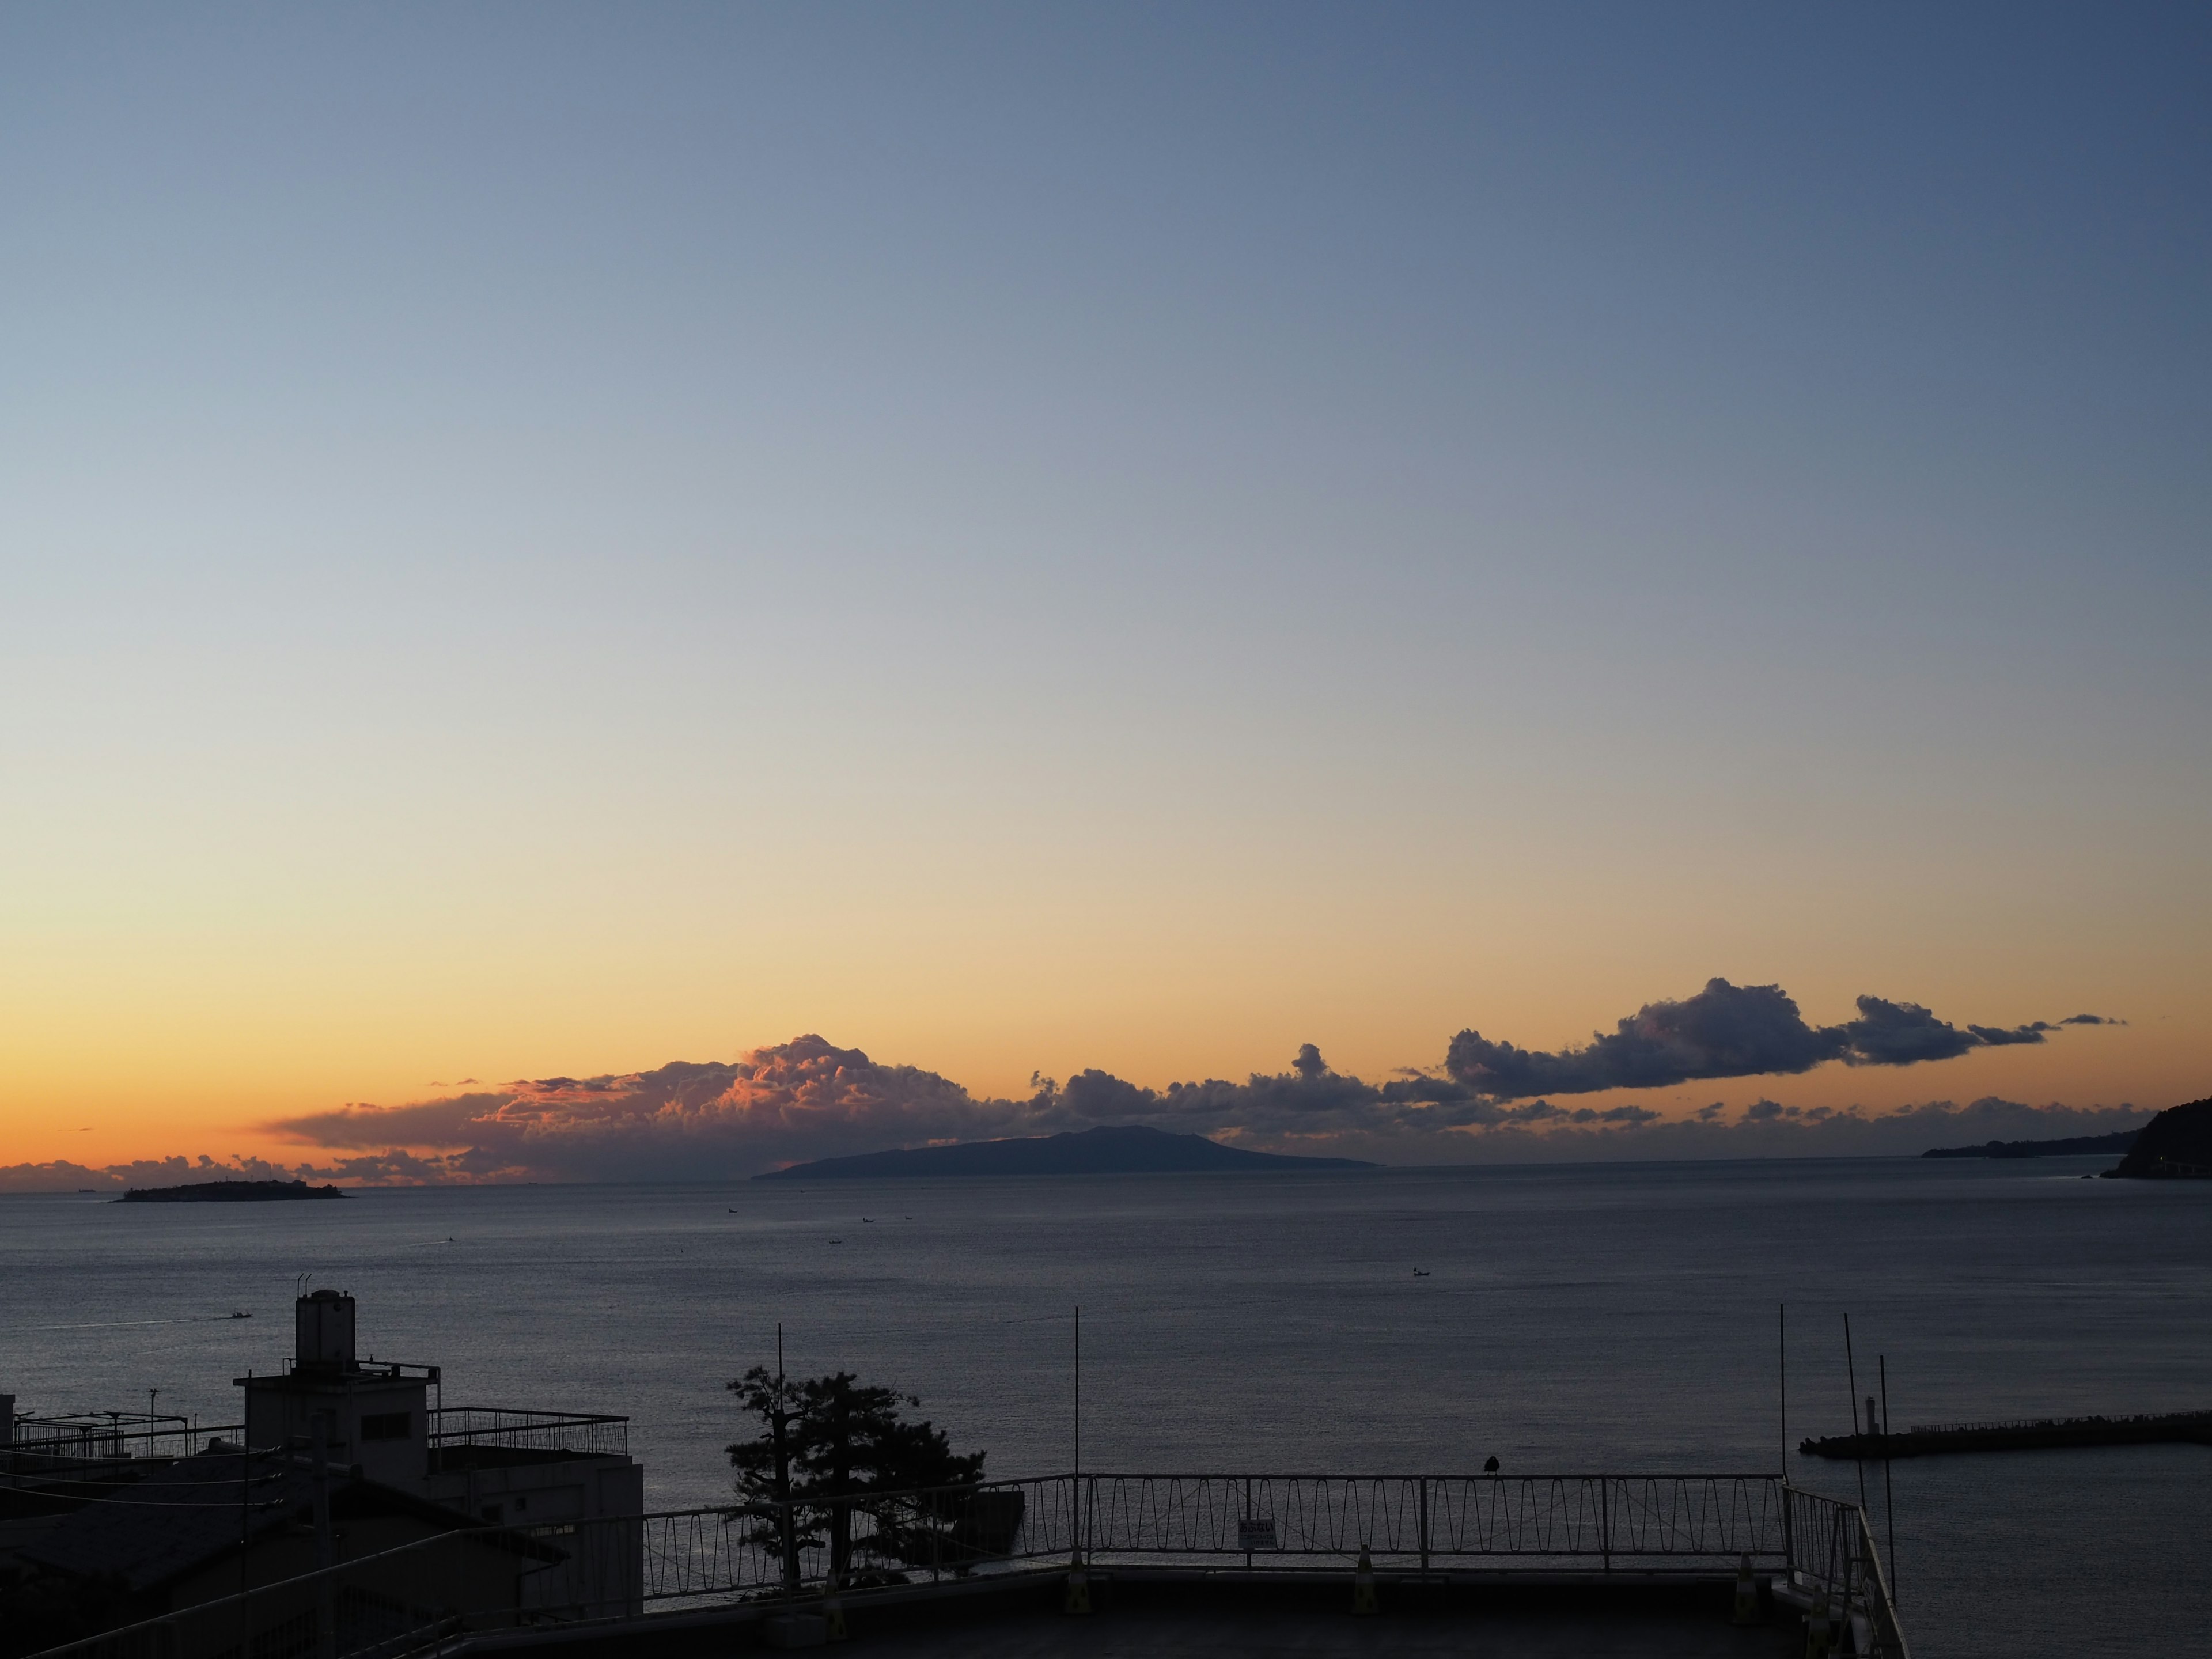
<point>241,1315</point>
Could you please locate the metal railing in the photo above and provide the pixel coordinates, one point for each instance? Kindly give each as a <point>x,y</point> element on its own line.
<point>528,1430</point>
<point>107,1438</point>
<point>1709,1518</point>
<point>1833,1560</point>
<point>407,1600</point>
<point>393,1370</point>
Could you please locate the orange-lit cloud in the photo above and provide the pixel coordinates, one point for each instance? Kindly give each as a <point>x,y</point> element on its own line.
<point>808,1098</point>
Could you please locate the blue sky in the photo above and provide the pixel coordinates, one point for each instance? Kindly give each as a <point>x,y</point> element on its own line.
<point>550,539</point>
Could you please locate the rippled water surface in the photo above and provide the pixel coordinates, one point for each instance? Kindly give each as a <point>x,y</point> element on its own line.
<point>1613,1318</point>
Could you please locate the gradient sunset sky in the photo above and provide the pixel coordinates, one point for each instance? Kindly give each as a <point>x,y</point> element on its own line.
<point>546,540</point>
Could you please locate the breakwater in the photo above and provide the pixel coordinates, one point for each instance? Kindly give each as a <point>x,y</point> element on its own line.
<point>2040,1434</point>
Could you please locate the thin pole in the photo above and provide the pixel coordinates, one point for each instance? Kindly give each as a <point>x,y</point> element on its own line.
<point>1782,1324</point>
<point>1081,1512</point>
<point>1851,1374</point>
<point>1888,1491</point>
<point>245,1528</point>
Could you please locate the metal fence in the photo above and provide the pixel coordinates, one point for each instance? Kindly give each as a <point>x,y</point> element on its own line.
<point>409,1600</point>
<point>1678,1519</point>
<point>1833,1557</point>
<point>107,1438</point>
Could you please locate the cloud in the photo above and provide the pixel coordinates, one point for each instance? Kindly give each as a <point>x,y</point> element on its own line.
<point>803,1099</point>
<point>1724,1030</point>
<point>2091,1019</point>
<point>808,1098</point>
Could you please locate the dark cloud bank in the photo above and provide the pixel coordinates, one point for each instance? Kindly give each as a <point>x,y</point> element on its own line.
<point>1488,1102</point>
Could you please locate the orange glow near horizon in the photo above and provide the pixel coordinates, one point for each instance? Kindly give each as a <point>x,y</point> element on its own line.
<point>197,1078</point>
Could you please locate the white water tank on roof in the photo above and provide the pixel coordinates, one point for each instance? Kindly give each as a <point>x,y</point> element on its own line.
<point>323,1322</point>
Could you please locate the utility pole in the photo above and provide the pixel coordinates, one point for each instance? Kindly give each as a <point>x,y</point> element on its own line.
<point>244,1524</point>
<point>326,1621</point>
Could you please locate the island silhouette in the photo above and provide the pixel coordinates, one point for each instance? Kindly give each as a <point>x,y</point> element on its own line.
<point>1132,1149</point>
<point>228,1192</point>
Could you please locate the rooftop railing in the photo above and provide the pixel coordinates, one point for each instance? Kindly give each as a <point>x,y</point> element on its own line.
<point>515,1428</point>
<point>394,1369</point>
<point>105,1437</point>
<point>412,1600</point>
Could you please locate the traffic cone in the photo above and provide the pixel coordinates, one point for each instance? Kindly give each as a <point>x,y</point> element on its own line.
<point>1747,1593</point>
<point>832,1611</point>
<point>1363,1585</point>
<point>1079,1586</point>
<point>1816,1628</point>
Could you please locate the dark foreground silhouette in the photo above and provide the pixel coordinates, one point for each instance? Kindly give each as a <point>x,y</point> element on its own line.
<point>1134,1150</point>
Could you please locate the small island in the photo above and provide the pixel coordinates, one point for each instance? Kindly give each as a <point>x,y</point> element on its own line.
<point>1132,1150</point>
<point>229,1191</point>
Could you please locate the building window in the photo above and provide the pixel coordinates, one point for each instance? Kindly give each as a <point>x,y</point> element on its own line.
<point>388,1425</point>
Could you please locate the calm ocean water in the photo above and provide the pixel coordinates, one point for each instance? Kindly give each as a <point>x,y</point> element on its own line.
<point>1607,1318</point>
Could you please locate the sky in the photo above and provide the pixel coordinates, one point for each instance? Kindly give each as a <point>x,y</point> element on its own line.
<point>545,541</point>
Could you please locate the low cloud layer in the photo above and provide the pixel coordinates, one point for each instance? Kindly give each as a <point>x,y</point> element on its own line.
<point>1725,1031</point>
<point>809,1099</point>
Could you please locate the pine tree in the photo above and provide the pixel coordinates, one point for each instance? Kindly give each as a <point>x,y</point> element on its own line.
<point>828,1441</point>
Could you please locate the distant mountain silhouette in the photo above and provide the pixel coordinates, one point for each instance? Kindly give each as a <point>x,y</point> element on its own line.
<point>2069,1145</point>
<point>2177,1142</point>
<point>1132,1150</point>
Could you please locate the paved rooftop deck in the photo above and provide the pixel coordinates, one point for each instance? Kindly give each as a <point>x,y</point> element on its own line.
<point>1164,1615</point>
<point>1165,1633</point>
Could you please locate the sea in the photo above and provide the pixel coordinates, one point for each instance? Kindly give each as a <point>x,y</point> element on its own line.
<point>1624,1318</point>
